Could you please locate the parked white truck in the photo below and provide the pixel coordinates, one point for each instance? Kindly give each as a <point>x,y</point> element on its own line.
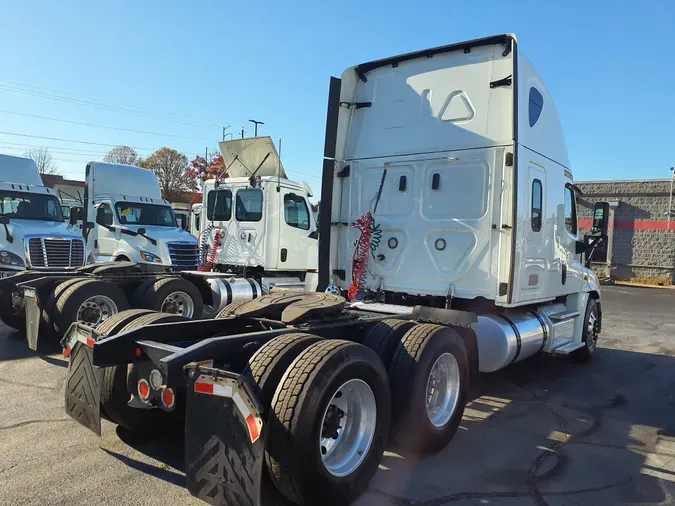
<point>448,218</point>
<point>259,220</point>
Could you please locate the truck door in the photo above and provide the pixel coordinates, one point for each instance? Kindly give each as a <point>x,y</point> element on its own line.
<point>572,270</point>
<point>248,241</point>
<point>297,234</point>
<point>104,239</point>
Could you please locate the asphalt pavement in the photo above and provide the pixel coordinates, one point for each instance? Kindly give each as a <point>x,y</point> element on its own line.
<point>546,431</point>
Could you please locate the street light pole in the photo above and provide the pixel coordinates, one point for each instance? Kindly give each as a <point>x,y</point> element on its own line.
<point>256,123</point>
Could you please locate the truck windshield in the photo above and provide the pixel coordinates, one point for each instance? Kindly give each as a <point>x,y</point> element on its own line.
<point>30,206</point>
<point>133,213</point>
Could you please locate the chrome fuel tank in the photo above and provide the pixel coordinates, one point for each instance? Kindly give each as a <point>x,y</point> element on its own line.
<point>228,290</point>
<point>508,338</point>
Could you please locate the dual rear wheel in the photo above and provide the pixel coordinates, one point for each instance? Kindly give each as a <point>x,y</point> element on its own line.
<point>332,405</point>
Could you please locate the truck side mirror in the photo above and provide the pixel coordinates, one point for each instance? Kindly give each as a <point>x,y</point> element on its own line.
<point>75,215</point>
<point>600,219</point>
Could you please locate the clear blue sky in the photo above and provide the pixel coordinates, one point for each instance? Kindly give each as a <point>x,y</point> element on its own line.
<point>610,66</point>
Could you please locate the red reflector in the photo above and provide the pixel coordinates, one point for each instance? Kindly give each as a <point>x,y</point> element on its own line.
<point>168,398</point>
<point>204,388</point>
<point>66,352</point>
<point>90,342</point>
<point>143,389</point>
<point>252,428</point>
<point>138,352</point>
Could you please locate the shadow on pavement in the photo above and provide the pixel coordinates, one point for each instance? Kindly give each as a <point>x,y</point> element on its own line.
<point>546,430</point>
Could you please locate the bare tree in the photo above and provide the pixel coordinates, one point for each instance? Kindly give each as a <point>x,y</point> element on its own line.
<point>122,154</point>
<point>43,159</point>
<point>173,171</point>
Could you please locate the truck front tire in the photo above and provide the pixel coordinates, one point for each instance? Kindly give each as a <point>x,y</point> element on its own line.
<point>315,453</point>
<point>429,375</point>
<point>590,333</point>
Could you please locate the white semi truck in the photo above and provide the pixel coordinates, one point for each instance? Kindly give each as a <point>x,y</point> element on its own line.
<point>448,221</point>
<point>257,222</point>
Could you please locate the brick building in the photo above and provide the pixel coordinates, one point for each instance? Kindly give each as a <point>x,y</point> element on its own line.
<point>641,244</point>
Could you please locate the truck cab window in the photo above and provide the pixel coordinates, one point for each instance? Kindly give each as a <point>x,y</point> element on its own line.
<point>132,213</point>
<point>570,211</point>
<point>296,212</point>
<point>104,215</point>
<point>30,206</point>
<point>219,205</point>
<point>536,205</point>
<point>249,205</point>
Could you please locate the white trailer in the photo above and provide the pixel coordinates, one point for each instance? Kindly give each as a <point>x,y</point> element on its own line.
<point>448,219</point>
<point>259,220</point>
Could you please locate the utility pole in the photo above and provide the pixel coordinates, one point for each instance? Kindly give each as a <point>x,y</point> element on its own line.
<point>225,128</point>
<point>256,123</point>
<point>242,132</point>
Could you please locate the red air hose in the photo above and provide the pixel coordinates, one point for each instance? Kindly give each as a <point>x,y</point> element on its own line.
<point>212,254</point>
<point>366,224</point>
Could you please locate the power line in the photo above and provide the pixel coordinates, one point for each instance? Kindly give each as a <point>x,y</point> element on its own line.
<point>69,140</point>
<point>122,109</point>
<point>102,126</point>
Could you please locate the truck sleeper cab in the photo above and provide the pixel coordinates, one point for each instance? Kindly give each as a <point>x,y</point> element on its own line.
<point>428,203</point>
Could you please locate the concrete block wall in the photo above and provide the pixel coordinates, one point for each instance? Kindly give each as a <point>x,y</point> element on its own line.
<point>643,248</point>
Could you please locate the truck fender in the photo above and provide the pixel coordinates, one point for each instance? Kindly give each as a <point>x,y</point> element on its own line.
<point>471,344</point>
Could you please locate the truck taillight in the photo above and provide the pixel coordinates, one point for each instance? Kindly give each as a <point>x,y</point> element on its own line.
<point>168,398</point>
<point>144,389</point>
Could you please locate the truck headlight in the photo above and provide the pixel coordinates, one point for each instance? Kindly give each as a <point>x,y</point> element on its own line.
<point>150,257</point>
<point>91,259</point>
<point>9,258</point>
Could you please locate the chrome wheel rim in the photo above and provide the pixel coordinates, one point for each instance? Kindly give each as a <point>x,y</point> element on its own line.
<point>179,303</point>
<point>592,330</point>
<point>443,390</point>
<point>348,428</point>
<point>96,309</point>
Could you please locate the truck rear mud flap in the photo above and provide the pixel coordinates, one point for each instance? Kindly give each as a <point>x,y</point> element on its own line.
<point>83,388</point>
<point>224,438</point>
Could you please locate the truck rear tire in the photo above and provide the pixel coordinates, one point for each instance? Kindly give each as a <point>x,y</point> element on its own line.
<point>429,375</point>
<point>332,386</point>
<point>175,296</point>
<point>91,300</point>
<point>590,333</point>
<point>114,384</point>
<point>230,309</point>
<point>139,293</point>
<point>268,365</point>
<point>384,337</point>
<point>50,304</point>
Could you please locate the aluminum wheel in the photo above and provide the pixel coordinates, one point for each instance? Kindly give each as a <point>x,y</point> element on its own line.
<point>443,390</point>
<point>347,428</point>
<point>96,309</point>
<point>179,303</point>
<point>592,330</point>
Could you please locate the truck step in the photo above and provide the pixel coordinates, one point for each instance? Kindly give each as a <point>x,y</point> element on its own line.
<point>565,315</point>
<point>568,348</point>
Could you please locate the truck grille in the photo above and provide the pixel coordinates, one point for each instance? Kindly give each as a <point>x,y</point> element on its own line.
<point>183,254</point>
<point>44,253</point>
